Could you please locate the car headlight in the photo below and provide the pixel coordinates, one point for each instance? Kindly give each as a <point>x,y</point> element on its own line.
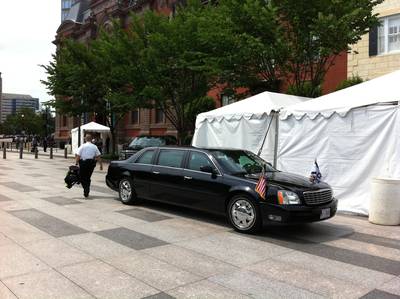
<point>288,198</point>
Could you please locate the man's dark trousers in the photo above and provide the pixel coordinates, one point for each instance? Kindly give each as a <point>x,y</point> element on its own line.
<point>86,168</point>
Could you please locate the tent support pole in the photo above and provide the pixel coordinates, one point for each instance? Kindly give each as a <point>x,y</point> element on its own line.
<point>276,138</point>
<point>79,130</point>
<point>266,134</point>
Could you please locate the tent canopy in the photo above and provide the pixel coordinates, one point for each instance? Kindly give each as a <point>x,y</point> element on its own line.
<point>380,90</point>
<point>244,124</point>
<point>89,127</point>
<point>254,107</point>
<point>92,127</point>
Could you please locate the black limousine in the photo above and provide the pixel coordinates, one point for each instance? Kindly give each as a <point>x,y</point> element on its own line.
<point>221,181</point>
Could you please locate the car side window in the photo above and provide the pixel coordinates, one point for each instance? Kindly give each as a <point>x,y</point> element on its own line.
<point>198,160</point>
<point>146,158</point>
<point>171,158</point>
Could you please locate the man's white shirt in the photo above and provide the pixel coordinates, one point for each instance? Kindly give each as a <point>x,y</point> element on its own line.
<point>88,151</point>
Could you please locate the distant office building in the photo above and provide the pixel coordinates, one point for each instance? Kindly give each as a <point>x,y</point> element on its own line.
<point>66,7</point>
<point>11,103</point>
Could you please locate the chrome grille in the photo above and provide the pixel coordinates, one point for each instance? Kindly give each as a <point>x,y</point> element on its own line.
<point>317,197</point>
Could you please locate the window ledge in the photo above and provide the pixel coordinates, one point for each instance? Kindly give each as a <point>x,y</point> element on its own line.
<point>389,53</point>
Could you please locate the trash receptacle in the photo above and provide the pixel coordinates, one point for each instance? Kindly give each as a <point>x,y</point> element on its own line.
<point>384,206</point>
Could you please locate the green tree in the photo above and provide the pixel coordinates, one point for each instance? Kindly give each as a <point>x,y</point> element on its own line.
<point>246,40</point>
<point>48,121</point>
<point>75,79</point>
<point>165,64</point>
<point>25,121</point>
<point>316,32</point>
<point>259,42</point>
<point>353,80</point>
<point>118,52</point>
<point>79,78</point>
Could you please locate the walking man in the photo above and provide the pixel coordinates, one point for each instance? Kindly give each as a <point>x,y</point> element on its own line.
<point>86,157</point>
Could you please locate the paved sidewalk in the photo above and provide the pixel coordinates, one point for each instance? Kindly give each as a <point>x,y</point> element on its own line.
<point>55,244</point>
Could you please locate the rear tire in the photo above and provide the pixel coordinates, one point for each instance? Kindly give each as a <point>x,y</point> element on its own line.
<point>244,214</point>
<point>126,191</point>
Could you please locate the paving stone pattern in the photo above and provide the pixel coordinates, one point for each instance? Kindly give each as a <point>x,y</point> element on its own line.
<point>60,200</point>
<point>144,215</point>
<point>56,244</point>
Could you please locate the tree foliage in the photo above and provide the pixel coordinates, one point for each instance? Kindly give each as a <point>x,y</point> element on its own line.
<point>247,44</point>
<point>354,80</point>
<point>175,70</point>
<point>26,121</point>
<point>171,63</point>
<point>317,31</point>
<point>296,40</point>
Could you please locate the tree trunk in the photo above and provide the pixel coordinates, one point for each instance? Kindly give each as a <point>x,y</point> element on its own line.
<point>112,141</point>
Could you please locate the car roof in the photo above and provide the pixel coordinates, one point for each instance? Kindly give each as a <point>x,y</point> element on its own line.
<point>194,148</point>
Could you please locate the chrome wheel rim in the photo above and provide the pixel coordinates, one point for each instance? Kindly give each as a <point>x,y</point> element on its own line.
<point>243,214</point>
<point>125,190</point>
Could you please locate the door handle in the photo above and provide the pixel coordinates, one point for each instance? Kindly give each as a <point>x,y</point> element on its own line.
<point>156,172</point>
<point>187,177</point>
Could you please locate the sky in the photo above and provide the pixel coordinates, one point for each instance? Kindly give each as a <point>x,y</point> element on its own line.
<point>27,29</point>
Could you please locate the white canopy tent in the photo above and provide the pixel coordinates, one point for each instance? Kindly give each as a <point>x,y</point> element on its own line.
<point>353,133</point>
<point>244,124</point>
<point>92,127</point>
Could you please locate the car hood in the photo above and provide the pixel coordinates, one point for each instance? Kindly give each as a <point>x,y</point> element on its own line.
<point>289,180</point>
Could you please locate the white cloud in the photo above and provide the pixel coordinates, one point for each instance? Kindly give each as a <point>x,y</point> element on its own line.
<point>27,29</point>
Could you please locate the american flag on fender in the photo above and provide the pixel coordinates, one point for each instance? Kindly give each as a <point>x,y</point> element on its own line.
<point>261,186</point>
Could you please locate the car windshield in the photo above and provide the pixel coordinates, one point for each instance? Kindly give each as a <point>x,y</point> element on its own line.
<point>240,162</point>
<point>146,141</point>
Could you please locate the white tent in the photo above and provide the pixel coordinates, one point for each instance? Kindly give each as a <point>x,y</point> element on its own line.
<point>92,127</point>
<point>353,133</point>
<point>244,124</point>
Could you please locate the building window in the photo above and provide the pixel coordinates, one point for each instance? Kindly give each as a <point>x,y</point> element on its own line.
<point>227,99</point>
<point>64,121</point>
<point>159,116</point>
<point>389,35</point>
<point>66,4</point>
<point>135,117</point>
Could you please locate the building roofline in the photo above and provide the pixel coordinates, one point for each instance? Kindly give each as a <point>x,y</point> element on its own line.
<point>10,96</point>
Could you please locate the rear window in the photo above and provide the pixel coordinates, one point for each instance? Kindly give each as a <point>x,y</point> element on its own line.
<point>171,158</point>
<point>151,141</point>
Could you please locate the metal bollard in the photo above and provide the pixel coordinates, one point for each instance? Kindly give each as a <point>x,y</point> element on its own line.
<point>65,153</point>
<point>4,153</point>
<point>36,153</point>
<point>51,152</point>
<point>21,150</point>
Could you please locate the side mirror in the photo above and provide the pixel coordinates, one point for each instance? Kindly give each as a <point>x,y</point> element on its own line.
<point>125,146</point>
<point>208,169</point>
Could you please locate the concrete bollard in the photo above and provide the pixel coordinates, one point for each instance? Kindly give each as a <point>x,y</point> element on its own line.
<point>65,153</point>
<point>51,152</point>
<point>21,150</point>
<point>4,153</point>
<point>36,153</point>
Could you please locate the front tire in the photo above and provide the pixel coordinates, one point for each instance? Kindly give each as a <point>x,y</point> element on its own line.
<point>244,214</point>
<point>126,191</point>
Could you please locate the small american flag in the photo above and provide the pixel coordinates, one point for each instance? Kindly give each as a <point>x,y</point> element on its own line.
<point>316,175</point>
<point>261,185</point>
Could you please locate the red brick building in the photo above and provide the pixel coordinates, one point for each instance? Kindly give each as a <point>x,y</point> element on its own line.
<point>83,22</point>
